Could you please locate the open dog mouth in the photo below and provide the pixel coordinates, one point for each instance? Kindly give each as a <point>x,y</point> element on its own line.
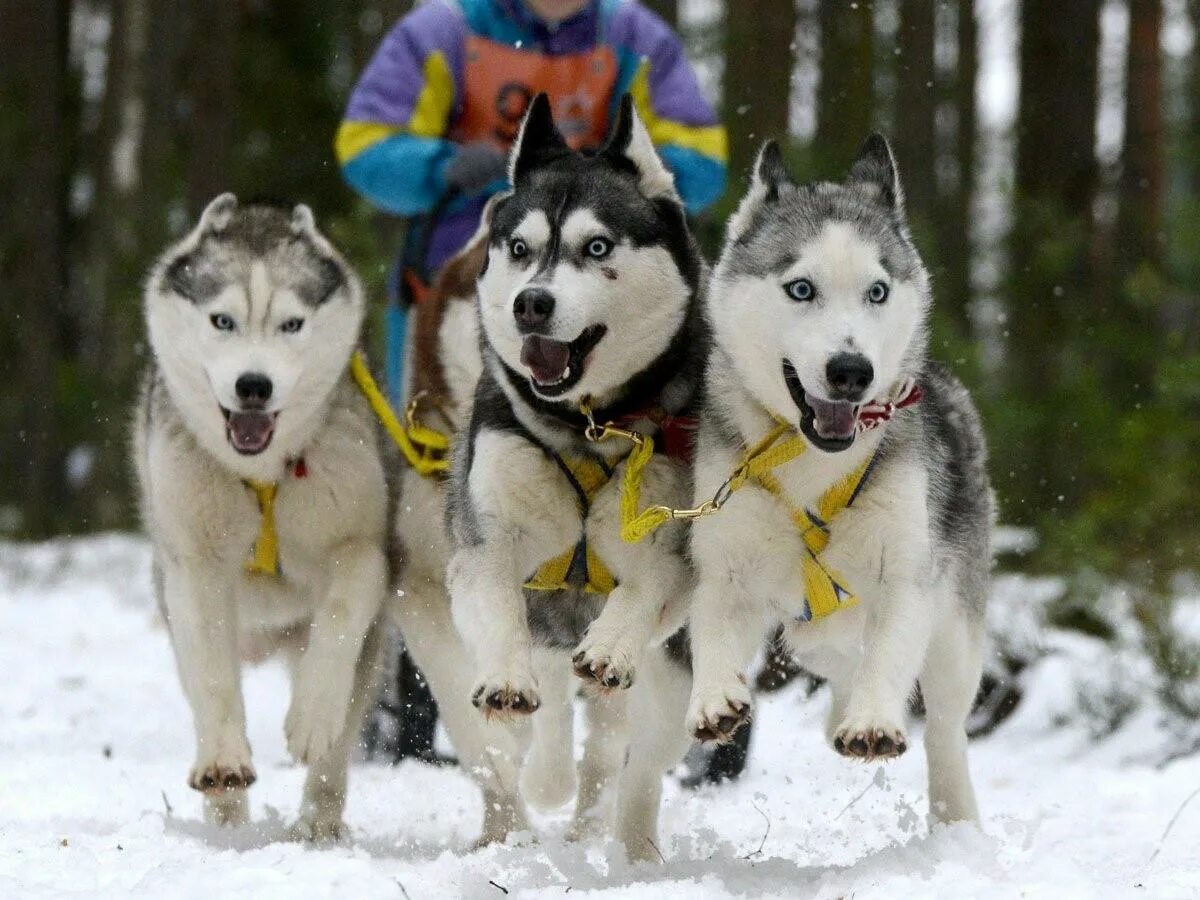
<point>249,431</point>
<point>830,425</point>
<point>556,366</point>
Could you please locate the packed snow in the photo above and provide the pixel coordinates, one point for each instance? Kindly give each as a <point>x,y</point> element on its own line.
<point>96,742</point>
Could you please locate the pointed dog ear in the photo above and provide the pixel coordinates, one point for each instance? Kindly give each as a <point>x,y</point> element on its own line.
<point>769,171</point>
<point>630,142</point>
<point>303,222</point>
<point>766,178</point>
<point>875,167</point>
<point>217,214</point>
<point>538,141</point>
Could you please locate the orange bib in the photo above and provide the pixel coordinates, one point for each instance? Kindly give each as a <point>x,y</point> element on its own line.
<point>499,82</point>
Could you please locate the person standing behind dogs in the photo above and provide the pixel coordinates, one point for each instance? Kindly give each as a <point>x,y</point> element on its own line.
<point>431,120</point>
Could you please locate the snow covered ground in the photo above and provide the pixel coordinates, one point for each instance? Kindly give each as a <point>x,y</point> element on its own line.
<point>95,740</point>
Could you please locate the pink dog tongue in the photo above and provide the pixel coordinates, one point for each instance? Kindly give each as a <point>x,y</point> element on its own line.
<point>250,431</point>
<point>546,358</point>
<point>833,419</point>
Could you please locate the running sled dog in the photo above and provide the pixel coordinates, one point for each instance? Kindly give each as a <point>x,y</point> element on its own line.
<point>853,515</point>
<point>587,303</point>
<point>263,493</point>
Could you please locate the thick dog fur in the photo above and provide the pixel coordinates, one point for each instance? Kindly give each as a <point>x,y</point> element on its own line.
<point>257,290</point>
<point>914,546</point>
<point>511,508</point>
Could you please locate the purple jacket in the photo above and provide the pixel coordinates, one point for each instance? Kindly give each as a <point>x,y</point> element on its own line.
<point>393,144</point>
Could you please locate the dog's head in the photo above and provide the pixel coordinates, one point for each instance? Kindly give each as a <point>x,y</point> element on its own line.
<point>590,269</point>
<point>252,318</point>
<point>820,300</point>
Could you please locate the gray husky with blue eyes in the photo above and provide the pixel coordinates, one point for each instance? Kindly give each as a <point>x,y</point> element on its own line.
<point>263,492</point>
<point>867,534</point>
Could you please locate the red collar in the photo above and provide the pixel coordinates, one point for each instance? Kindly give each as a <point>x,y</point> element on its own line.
<point>676,437</point>
<point>877,413</point>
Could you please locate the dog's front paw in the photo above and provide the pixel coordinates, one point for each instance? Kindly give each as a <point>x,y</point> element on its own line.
<point>716,715</point>
<point>869,740</point>
<point>505,698</point>
<point>314,723</point>
<point>603,661</point>
<point>225,767</point>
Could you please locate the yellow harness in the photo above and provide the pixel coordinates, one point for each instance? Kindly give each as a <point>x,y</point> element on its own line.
<point>579,567</point>
<point>824,590</point>
<point>425,449</point>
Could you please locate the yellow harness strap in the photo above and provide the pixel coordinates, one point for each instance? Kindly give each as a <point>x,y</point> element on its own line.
<point>430,458</point>
<point>824,591</point>
<point>578,567</point>
<point>264,558</point>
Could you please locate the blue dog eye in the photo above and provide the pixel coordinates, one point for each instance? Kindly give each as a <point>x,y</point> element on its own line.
<point>599,247</point>
<point>878,292</point>
<point>222,322</point>
<point>800,289</point>
<point>518,248</point>
<point>291,326</point>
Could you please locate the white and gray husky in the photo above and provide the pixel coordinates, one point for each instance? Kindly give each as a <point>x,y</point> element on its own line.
<point>589,295</point>
<point>863,520</point>
<point>263,492</point>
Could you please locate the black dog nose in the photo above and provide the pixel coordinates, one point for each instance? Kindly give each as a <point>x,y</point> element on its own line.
<point>533,309</point>
<point>849,375</point>
<point>253,388</point>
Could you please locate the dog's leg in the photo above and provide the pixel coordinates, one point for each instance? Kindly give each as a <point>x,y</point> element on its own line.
<point>898,623</point>
<point>548,776</point>
<point>604,751</point>
<point>324,679</point>
<point>518,512</point>
<point>840,679</point>
<point>949,683</point>
<point>202,617</point>
<point>489,610</point>
<point>659,741</point>
<point>487,750</point>
<point>727,628</point>
<point>324,798</point>
<point>614,643</point>
<point>652,580</point>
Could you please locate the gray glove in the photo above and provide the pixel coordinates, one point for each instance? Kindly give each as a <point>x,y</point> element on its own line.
<point>474,167</point>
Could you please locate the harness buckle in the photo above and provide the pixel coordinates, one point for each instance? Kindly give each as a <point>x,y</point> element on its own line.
<point>594,433</point>
<point>707,508</point>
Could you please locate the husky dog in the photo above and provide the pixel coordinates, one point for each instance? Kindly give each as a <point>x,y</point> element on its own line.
<point>819,309</point>
<point>252,443</point>
<point>589,296</point>
<point>445,364</point>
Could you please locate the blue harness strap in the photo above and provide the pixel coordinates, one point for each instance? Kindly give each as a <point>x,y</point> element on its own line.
<point>395,327</point>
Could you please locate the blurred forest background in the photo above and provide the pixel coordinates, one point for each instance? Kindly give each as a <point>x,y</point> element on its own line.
<point>1051,153</point>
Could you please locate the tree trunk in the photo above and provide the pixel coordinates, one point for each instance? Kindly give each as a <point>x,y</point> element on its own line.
<point>1192,147</point>
<point>33,264</point>
<point>916,106</point>
<point>954,241</point>
<point>757,96</point>
<point>845,93</point>
<point>1049,291</point>
<point>954,222</point>
<point>213,91</point>
<point>1142,188</point>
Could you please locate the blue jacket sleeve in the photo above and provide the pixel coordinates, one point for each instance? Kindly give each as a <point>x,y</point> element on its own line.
<point>391,144</point>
